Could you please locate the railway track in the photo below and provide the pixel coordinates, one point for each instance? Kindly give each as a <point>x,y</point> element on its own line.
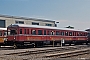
<point>46,51</point>
<point>69,53</point>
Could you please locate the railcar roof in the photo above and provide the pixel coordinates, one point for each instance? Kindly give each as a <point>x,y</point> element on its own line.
<point>45,27</point>
<point>3,28</point>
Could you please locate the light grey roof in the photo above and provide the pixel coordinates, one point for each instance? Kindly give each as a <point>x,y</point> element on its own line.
<point>25,18</point>
<point>44,27</point>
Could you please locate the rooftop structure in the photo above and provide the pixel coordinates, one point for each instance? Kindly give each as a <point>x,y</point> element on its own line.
<point>6,20</point>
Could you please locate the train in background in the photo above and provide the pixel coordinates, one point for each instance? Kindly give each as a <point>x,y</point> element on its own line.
<point>3,35</point>
<point>24,35</point>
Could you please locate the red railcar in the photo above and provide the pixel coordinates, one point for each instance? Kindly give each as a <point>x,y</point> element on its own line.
<point>20,34</point>
<point>3,35</point>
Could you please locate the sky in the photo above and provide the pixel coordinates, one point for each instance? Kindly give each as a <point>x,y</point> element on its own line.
<point>74,13</point>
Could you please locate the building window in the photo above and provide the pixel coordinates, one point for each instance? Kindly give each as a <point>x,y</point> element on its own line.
<point>48,24</point>
<point>35,23</point>
<point>2,23</point>
<point>19,22</point>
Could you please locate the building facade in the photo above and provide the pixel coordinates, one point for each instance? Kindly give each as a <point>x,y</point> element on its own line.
<point>6,20</point>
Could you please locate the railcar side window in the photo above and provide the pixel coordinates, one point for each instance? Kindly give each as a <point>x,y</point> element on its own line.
<point>62,33</point>
<point>20,31</point>
<point>70,33</point>
<point>87,34</point>
<point>78,34</point>
<point>8,32</point>
<point>13,32</point>
<point>33,32</point>
<point>44,32</point>
<point>5,33</point>
<point>66,33</point>
<point>84,34</point>
<point>25,31</point>
<point>73,33</point>
<point>52,33</point>
<point>39,32</point>
<point>48,32</point>
<point>57,33</point>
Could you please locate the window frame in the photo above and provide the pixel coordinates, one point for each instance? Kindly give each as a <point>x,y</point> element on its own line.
<point>32,32</point>
<point>20,31</point>
<point>41,32</point>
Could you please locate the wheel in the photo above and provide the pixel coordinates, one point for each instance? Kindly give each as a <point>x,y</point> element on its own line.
<point>63,44</point>
<point>69,44</point>
<point>86,43</point>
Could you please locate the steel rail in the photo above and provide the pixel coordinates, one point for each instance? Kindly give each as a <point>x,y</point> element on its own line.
<point>69,53</point>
